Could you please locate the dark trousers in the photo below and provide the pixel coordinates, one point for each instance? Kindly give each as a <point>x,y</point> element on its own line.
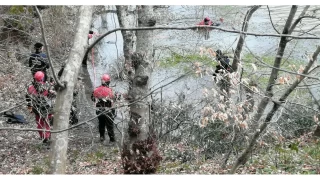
<point>73,116</point>
<point>106,120</point>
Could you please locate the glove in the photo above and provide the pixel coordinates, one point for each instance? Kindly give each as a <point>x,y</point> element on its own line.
<point>53,92</point>
<point>30,109</point>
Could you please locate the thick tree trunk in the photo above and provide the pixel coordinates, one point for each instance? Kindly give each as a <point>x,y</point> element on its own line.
<point>236,57</point>
<point>263,104</point>
<point>128,19</point>
<point>142,60</point>
<point>127,16</point>
<point>140,154</point>
<point>64,98</point>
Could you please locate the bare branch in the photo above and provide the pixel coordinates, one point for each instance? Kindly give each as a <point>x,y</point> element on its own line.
<point>47,49</point>
<point>309,30</point>
<point>271,21</point>
<point>291,72</point>
<point>192,28</point>
<point>19,104</point>
<point>301,16</point>
<point>236,57</point>
<point>244,156</point>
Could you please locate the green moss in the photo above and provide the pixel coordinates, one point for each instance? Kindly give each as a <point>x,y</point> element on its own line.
<point>99,155</point>
<point>178,59</point>
<point>37,170</point>
<point>115,151</point>
<point>16,10</point>
<point>313,151</point>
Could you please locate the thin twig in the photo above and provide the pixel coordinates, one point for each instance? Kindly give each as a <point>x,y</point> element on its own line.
<point>291,72</point>
<point>19,104</point>
<point>192,28</point>
<point>271,21</point>
<point>47,49</point>
<point>309,30</point>
<point>301,16</point>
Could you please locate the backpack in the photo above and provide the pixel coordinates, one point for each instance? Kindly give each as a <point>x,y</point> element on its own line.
<point>38,62</point>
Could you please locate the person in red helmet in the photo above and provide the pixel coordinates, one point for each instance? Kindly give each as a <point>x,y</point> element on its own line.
<point>38,102</point>
<point>104,98</point>
<point>207,22</point>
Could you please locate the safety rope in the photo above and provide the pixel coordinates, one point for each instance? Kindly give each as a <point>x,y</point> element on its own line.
<point>94,74</point>
<point>94,70</point>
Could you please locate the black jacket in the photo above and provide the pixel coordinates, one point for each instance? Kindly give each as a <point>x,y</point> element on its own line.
<point>38,62</point>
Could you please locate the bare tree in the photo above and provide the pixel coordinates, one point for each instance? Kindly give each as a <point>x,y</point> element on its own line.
<point>64,98</point>
<point>288,28</point>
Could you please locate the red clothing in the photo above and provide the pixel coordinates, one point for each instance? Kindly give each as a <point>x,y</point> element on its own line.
<point>32,91</point>
<point>202,23</point>
<point>41,108</point>
<point>104,95</point>
<point>103,92</point>
<point>43,123</point>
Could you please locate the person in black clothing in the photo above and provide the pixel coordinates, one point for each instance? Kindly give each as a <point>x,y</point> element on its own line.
<point>104,97</point>
<point>223,65</point>
<point>38,61</point>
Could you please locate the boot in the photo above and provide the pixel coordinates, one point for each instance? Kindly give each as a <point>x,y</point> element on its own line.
<point>112,139</point>
<point>102,138</point>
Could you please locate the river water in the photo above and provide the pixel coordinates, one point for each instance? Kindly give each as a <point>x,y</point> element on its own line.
<point>110,48</point>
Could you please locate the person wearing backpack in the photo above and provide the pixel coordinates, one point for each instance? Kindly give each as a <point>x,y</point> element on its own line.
<point>224,63</point>
<point>104,97</point>
<point>38,102</point>
<point>38,61</point>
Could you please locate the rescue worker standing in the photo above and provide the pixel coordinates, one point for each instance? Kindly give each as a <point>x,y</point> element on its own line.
<point>38,102</point>
<point>104,98</point>
<point>38,61</point>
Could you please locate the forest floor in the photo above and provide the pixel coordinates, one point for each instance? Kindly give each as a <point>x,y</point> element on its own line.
<point>22,152</point>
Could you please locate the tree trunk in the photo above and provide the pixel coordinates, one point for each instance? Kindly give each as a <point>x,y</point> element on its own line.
<point>263,104</point>
<point>64,98</point>
<point>225,85</point>
<point>127,19</point>
<point>274,74</point>
<point>140,154</point>
<point>236,57</point>
<point>127,16</point>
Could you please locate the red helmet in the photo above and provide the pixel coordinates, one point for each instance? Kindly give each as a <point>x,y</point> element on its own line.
<point>39,76</point>
<point>105,78</point>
